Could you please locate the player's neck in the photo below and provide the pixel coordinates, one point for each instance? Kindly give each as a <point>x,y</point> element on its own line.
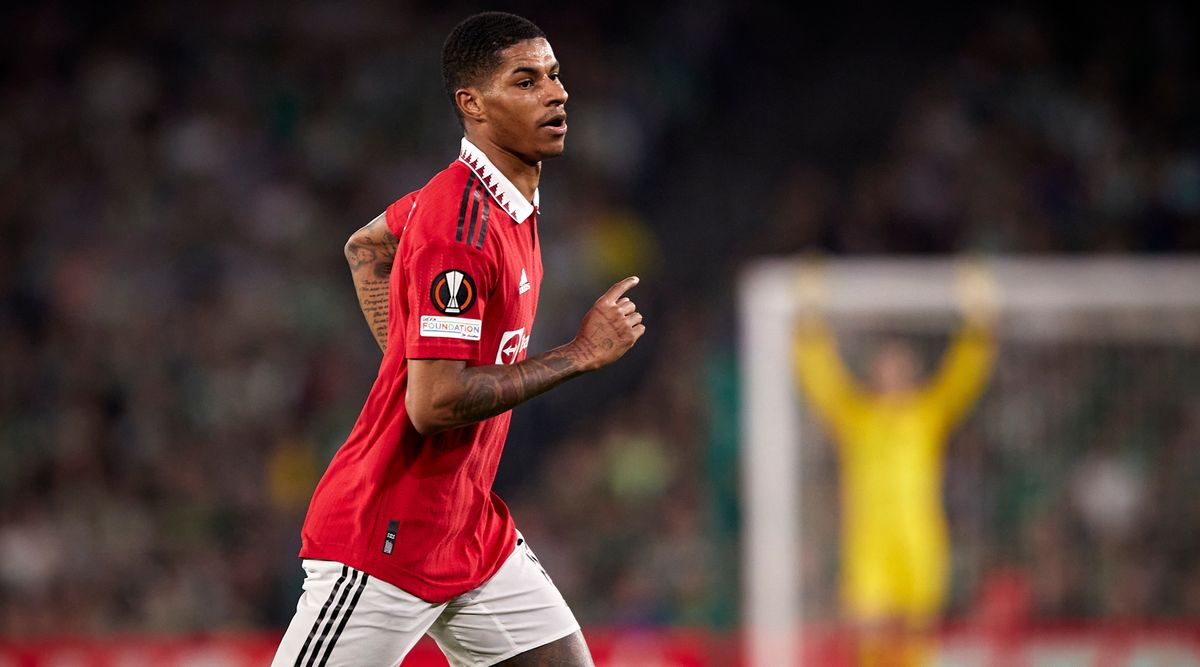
<point>523,175</point>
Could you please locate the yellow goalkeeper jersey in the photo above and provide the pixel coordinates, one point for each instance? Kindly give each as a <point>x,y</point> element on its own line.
<point>895,548</point>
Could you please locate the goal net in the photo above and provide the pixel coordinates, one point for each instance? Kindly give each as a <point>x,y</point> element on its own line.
<point>1069,487</point>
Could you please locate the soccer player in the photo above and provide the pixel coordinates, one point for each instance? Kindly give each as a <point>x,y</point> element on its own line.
<point>890,438</point>
<point>404,535</point>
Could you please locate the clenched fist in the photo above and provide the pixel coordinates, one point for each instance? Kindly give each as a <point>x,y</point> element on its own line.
<point>609,328</point>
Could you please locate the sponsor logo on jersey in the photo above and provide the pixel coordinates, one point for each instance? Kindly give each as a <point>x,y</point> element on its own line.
<point>524,286</point>
<point>453,292</point>
<point>462,328</point>
<point>512,343</point>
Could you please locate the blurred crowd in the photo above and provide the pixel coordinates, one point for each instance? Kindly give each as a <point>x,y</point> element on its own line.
<point>181,353</point>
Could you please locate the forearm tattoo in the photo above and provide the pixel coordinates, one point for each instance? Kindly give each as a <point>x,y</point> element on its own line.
<point>371,268</point>
<point>491,390</point>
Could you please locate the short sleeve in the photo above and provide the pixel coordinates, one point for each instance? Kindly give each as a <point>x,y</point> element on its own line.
<point>448,287</point>
<point>397,214</point>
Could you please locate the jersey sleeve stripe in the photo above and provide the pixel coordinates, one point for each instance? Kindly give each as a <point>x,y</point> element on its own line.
<point>462,208</point>
<point>487,208</point>
<point>476,196</point>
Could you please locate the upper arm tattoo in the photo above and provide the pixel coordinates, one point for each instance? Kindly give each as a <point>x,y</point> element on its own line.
<point>371,268</point>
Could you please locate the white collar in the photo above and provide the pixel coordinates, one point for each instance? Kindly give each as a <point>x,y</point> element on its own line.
<point>503,191</point>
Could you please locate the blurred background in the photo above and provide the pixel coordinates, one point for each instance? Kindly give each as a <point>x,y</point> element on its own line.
<point>181,351</point>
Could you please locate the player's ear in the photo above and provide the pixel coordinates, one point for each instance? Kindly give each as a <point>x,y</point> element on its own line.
<point>470,103</point>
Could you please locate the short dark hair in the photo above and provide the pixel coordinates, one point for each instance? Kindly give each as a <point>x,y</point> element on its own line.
<point>472,50</point>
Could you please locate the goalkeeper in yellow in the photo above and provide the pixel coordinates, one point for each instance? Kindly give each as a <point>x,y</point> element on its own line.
<point>890,437</point>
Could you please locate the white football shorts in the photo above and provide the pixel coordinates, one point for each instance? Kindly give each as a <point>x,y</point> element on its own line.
<point>346,618</point>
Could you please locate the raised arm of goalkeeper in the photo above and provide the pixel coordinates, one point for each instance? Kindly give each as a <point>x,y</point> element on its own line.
<point>828,384</point>
<point>967,363</point>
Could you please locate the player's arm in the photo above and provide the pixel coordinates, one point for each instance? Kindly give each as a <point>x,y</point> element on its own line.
<point>964,371</point>
<point>370,252</point>
<point>968,362</point>
<point>444,393</point>
<point>827,382</point>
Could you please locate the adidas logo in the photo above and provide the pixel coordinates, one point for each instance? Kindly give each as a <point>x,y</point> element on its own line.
<point>524,286</point>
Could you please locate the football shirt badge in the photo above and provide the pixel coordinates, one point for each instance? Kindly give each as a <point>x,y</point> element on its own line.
<point>453,292</point>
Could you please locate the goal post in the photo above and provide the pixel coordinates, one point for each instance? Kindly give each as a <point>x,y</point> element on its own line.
<point>1037,298</point>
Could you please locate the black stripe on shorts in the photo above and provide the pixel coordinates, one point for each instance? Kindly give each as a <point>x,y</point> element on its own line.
<point>312,659</point>
<point>362,584</point>
<point>324,610</point>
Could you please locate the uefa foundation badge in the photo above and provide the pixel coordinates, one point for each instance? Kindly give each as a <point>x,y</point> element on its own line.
<point>453,292</point>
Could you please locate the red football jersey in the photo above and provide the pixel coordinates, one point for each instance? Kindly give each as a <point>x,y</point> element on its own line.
<point>418,511</point>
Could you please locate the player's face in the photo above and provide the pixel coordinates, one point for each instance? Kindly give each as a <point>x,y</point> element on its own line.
<point>526,102</point>
<point>895,368</point>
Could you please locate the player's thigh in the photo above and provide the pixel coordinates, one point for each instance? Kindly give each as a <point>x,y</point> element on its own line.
<point>873,587</point>
<point>570,651</point>
<point>346,617</point>
<point>518,612</point>
<point>927,578</point>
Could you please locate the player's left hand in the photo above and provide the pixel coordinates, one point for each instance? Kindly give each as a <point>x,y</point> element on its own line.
<point>978,294</point>
<point>610,327</point>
